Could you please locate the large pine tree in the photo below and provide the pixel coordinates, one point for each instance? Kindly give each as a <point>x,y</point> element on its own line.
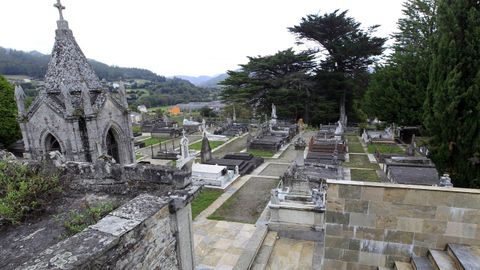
<point>452,107</point>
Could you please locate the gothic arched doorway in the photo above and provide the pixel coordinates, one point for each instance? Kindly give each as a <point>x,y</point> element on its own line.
<point>112,145</point>
<point>52,144</point>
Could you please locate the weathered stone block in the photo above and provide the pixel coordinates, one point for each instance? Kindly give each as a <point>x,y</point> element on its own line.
<point>397,249</point>
<point>369,233</point>
<point>337,242</point>
<point>465,200</point>
<point>372,259</point>
<point>335,204</point>
<point>399,237</point>
<point>349,192</point>
<point>373,193</point>
<point>425,239</point>
<point>354,244</point>
<point>386,222</point>
<point>356,266</point>
<point>350,255</point>
<point>333,253</point>
<point>409,224</point>
<point>464,230</point>
<point>334,264</point>
<point>434,227</point>
<point>362,220</point>
<point>394,195</point>
<point>332,191</point>
<point>356,206</point>
<point>336,217</point>
<point>115,225</point>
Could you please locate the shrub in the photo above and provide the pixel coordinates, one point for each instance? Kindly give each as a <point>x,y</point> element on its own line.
<point>24,191</point>
<point>89,215</point>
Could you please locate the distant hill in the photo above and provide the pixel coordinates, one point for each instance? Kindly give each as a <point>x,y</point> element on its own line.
<point>204,81</point>
<point>34,64</point>
<point>195,80</point>
<point>213,82</point>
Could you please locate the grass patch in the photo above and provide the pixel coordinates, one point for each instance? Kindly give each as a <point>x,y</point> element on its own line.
<point>198,145</point>
<point>261,153</point>
<point>202,201</point>
<point>247,204</point>
<point>138,156</point>
<point>364,175</point>
<point>360,161</point>
<point>355,148</point>
<point>385,148</point>
<point>352,139</point>
<point>89,215</point>
<point>154,140</point>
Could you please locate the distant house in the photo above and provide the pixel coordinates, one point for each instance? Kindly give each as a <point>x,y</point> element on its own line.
<point>175,110</point>
<point>135,118</point>
<point>142,108</point>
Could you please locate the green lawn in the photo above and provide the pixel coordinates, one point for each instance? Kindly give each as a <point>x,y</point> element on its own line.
<point>355,147</point>
<point>364,175</point>
<point>154,140</point>
<point>138,156</point>
<point>352,138</point>
<point>261,153</point>
<point>206,197</point>
<point>198,145</point>
<point>385,148</point>
<point>360,161</point>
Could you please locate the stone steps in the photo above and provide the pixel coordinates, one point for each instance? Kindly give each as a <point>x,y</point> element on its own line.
<point>261,259</point>
<point>421,263</point>
<point>454,257</point>
<point>441,260</point>
<point>465,257</point>
<point>403,266</point>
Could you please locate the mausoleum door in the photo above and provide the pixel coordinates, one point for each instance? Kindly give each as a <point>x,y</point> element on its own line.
<point>112,146</point>
<point>52,144</point>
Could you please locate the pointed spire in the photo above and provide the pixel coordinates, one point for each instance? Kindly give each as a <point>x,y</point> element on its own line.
<point>20,98</point>
<point>68,64</point>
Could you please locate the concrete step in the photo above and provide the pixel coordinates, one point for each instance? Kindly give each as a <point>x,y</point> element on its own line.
<point>441,260</point>
<point>261,259</point>
<point>402,266</point>
<point>384,268</point>
<point>421,263</point>
<point>465,257</point>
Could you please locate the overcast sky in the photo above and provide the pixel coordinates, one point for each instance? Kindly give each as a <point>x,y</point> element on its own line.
<point>179,37</point>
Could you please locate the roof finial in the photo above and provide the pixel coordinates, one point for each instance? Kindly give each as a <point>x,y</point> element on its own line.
<point>59,6</point>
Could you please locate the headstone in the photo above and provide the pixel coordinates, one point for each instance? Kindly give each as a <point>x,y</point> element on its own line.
<point>206,151</point>
<point>20,97</point>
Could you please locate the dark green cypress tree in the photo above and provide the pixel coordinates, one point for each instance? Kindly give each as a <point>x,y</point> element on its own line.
<point>452,107</point>
<point>9,129</point>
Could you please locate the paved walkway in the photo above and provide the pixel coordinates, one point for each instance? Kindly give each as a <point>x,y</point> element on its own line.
<point>219,244</point>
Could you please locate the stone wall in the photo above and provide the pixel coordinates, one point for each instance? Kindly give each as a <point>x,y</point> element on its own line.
<point>113,178</point>
<point>142,234</point>
<point>375,224</point>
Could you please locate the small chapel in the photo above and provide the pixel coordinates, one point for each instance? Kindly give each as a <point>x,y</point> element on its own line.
<point>74,112</point>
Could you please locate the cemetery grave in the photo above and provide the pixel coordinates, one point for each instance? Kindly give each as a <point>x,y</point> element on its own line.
<point>261,153</point>
<point>360,161</point>
<point>364,175</point>
<point>247,204</point>
<point>385,148</point>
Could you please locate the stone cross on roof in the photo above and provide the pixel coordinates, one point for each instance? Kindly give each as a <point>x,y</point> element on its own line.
<point>59,6</point>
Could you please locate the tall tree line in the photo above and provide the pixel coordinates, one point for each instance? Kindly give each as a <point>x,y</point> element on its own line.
<point>311,84</point>
<point>433,79</point>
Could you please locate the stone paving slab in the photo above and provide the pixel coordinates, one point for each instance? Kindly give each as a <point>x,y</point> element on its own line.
<point>290,254</point>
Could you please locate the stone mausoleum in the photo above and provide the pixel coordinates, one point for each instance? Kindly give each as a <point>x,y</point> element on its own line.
<point>74,113</point>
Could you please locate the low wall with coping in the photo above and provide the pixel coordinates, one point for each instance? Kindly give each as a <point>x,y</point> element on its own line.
<point>148,232</point>
<point>374,224</point>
